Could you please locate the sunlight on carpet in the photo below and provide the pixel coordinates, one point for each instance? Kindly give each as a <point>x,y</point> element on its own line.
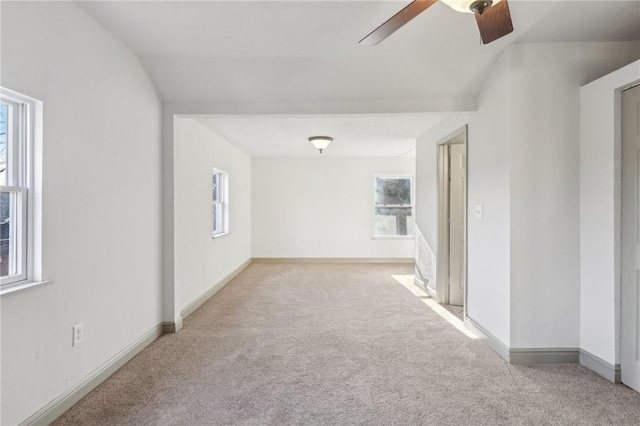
<point>407,282</point>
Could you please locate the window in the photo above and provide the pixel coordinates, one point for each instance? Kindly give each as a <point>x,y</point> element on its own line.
<point>393,206</point>
<point>18,116</point>
<point>220,203</point>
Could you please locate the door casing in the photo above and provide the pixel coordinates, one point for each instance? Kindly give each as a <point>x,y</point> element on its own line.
<point>459,136</point>
<point>630,240</point>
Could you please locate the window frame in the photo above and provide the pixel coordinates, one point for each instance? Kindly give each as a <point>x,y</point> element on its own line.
<point>222,201</point>
<point>24,179</point>
<point>375,206</point>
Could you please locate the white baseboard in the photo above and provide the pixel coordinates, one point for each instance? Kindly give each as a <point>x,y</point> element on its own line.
<point>75,393</point>
<point>172,327</point>
<point>491,340</point>
<point>333,260</point>
<point>524,355</point>
<point>608,371</point>
<point>528,356</point>
<point>195,304</point>
<point>421,283</point>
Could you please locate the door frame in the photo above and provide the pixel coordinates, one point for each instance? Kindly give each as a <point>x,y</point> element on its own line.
<point>460,136</point>
<point>618,255</point>
<point>600,134</point>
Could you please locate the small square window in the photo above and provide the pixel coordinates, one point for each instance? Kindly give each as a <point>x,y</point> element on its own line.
<point>393,206</point>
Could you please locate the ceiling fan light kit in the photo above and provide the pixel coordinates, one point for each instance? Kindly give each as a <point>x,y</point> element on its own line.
<point>470,6</point>
<point>493,18</point>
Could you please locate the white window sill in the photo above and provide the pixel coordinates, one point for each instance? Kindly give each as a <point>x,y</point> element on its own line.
<point>21,286</point>
<point>220,235</point>
<point>393,237</point>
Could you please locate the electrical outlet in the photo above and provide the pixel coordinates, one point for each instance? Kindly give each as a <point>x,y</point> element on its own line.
<point>78,334</point>
<point>478,211</point>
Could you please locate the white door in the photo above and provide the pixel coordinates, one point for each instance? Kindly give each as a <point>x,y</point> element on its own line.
<point>457,191</point>
<point>630,292</point>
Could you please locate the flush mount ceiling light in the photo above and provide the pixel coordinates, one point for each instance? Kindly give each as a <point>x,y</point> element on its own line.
<point>320,142</point>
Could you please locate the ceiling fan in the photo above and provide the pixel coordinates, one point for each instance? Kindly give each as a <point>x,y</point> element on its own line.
<point>493,17</point>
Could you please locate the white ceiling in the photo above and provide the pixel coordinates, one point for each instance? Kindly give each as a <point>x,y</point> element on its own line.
<point>235,52</point>
<point>377,135</point>
<point>267,56</point>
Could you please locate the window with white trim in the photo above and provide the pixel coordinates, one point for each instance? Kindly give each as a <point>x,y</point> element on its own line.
<point>220,203</point>
<point>17,127</point>
<point>393,206</point>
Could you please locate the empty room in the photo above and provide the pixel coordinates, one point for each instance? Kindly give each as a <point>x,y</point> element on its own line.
<point>319,212</point>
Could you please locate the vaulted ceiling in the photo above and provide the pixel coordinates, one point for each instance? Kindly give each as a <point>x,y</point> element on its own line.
<point>307,51</point>
<point>236,56</point>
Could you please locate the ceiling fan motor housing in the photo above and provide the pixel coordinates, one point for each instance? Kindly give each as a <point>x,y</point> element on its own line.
<point>480,6</point>
<point>492,25</point>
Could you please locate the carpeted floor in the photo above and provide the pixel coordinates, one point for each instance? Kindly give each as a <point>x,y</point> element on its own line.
<point>331,344</point>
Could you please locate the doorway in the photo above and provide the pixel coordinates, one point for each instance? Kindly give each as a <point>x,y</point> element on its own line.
<point>451,274</point>
<point>630,265</point>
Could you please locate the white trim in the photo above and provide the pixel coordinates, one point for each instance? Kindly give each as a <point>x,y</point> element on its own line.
<point>523,356</point>
<point>79,390</point>
<point>18,287</point>
<point>442,244</point>
<point>8,188</point>
<point>608,371</point>
<point>172,327</point>
<point>333,260</point>
<point>527,356</point>
<point>602,99</point>
<point>418,280</point>
<point>420,283</point>
<point>31,111</point>
<point>492,341</point>
<point>198,301</point>
<point>393,237</point>
<point>18,234</point>
<point>222,201</point>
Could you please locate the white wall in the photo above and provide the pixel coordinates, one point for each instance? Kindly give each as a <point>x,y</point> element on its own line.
<point>101,203</point>
<point>488,300</point>
<point>201,261</point>
<point>488,288</point>
<point>321,207</point>
<point>523,255</point>
<point>545,228</point>
<point>600,154</point>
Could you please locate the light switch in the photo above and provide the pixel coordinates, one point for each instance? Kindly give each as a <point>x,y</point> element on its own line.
<point>478,211</point>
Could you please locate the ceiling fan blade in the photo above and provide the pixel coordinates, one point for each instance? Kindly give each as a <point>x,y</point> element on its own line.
<point>398,20</point>
<point>495,22</point>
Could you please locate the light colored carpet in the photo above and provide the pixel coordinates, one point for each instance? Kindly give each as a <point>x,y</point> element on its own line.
<point>323,344</point>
